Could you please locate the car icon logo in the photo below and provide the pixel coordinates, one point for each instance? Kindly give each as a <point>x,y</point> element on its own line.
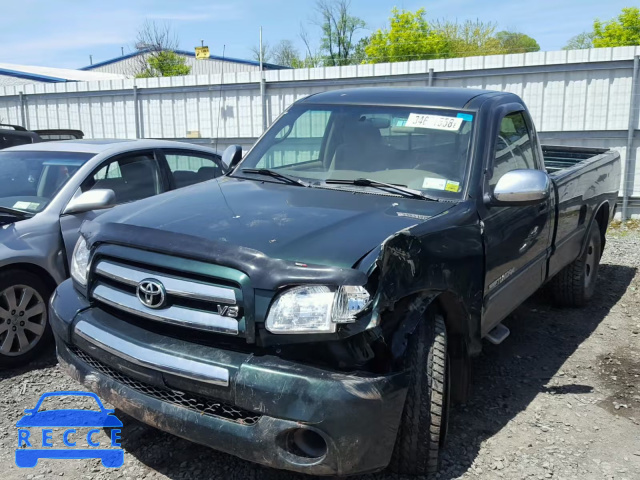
<point>71,420</point>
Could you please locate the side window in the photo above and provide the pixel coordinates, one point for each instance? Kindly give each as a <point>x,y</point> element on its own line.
<point>514,149</point>
<point>298,143</point>
<point>190,167</point>
<point>131,177</point>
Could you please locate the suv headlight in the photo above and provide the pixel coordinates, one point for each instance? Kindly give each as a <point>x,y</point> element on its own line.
<point>80,262</point>
<point>315,308</point>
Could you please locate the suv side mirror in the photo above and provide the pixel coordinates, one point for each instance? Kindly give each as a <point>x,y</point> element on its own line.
<point>231,157</point>
<point>521,187</point>
<point>91,200</point>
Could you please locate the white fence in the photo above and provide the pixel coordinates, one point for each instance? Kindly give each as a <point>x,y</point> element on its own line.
<point>579,97</point>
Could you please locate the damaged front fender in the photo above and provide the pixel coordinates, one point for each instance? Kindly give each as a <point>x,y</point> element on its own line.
<point>418,264</point>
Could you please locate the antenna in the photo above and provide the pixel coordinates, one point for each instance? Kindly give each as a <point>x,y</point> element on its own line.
<point>90,59</point>
<point>122,51</point>
<point>220,98</point>
<point>202,43</point>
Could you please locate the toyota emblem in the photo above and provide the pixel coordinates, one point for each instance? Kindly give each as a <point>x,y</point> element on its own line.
<point>151,293</point>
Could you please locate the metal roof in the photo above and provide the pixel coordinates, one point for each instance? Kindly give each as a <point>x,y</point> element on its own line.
<point>53,75</point>
<point>269,66</point>
<point>399,96</point>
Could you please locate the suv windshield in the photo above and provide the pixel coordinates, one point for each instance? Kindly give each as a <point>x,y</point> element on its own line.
<point>420,148</point>
<point>31,179</point>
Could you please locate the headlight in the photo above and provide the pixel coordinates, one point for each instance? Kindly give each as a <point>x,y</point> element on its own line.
<point>315,309</point>
<point>80,262</point>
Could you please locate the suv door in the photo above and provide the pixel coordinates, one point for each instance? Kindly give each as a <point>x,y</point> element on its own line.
<point>188,167</point>
<point>516,237</point>
<point>132,176</point>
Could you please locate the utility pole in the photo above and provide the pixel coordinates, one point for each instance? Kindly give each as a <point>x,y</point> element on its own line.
<point>122,51</point>
<point>262,89</point>
<point>90,59</point>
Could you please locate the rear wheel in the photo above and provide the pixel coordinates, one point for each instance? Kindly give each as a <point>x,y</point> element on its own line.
<point>24,326</point>
<point>575,284</point>
<point>424,420</point>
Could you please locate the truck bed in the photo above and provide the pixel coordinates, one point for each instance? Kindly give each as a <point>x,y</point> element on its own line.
<point>557,157</point>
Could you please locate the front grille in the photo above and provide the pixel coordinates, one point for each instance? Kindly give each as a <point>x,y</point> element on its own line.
<point>195,403</point>
<point>178,300</point>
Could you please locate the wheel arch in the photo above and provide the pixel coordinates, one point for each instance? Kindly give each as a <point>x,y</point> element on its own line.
<point>460,341</point>
<point>40,272</point>
<point>602,217</point>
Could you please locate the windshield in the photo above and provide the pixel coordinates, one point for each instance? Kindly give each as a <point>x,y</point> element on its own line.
<point>423,149</point>
<point>29,180</point>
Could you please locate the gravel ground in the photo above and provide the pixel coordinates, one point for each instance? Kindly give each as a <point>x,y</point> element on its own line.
<point>560,398</point>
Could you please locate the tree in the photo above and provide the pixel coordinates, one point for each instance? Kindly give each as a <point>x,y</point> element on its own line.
<point>338,30</point>
<point>157,44</point>
<point>313,57</point>
<point>360,53</point>
<point>621,32</point>
<point>468,39</point>
<point>516,42</point>
<point>581,41</point>
<point>267,53</point>
<point>286,54</point>
<point>165,64</point>
<point>409,37</point>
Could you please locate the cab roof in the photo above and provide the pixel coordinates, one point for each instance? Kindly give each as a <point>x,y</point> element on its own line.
<point>400,96</point>
<point>96,146</point>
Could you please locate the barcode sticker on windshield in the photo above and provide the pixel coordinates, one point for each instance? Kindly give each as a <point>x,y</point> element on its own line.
<point>434,183</point>
<point>436,122</point>
<point>26,205</point>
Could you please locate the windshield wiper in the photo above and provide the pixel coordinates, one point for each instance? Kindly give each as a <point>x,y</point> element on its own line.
<point>274,174</point>
<point>403,190</point>
<point>17,213</point>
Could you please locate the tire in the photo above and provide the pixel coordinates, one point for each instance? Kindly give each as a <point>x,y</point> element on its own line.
<point>574,285</point>
<point>424,420</point>
<point>24,322</point>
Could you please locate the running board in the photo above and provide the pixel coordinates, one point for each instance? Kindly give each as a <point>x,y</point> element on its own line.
<point>498,334</point>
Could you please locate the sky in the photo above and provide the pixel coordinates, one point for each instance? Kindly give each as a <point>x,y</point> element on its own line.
<point>64,33</point>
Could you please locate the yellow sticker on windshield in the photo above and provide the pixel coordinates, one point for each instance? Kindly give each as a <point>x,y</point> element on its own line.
<point>452,186</point>
<point>436,122</point>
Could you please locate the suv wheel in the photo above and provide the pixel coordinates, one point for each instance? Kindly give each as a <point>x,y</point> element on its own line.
<point>24,326</point>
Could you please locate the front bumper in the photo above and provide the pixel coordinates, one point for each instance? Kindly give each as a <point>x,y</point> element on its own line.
<point>356,416</point>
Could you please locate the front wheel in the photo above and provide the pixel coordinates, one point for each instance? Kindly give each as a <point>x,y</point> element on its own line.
<point>575,284</point>
<point>424,419</point>
<point>24,326</point>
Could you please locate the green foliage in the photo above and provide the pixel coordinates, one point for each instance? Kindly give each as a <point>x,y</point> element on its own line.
<point>359,53</point>
<point>469,38</point>
<point>516,42</point>
<point>621,32</point>
<point>409,37</point>
<point>165,64</point>
<point>581,41</point>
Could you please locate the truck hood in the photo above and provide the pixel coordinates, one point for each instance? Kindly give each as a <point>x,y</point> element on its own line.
<point>311,225</point>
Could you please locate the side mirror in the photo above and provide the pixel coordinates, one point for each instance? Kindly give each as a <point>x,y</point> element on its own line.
<point>91,200</point>
<point>232,156</point>
<point>521,187</point>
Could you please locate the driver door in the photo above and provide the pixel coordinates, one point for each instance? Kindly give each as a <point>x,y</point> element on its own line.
<point>132,177</point>
<point>516,238</point>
